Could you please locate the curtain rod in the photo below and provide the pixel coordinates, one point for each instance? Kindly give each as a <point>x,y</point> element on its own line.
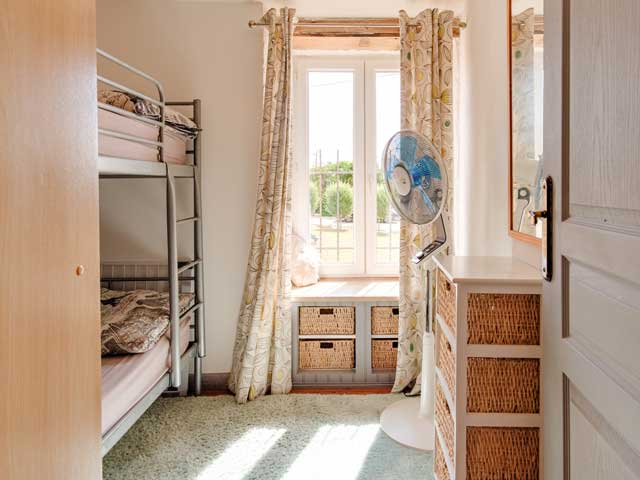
<point>391,23</point>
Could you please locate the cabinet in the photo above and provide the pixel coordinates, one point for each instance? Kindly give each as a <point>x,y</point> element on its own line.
<point>488,365</point>
<point>345,333</point>
<point>49,246</point>
<point>383,323</point>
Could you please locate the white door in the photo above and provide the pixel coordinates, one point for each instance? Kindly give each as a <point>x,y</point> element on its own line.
<point>591,309</point>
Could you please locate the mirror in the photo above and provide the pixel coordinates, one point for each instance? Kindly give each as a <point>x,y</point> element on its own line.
<point>526,42</point>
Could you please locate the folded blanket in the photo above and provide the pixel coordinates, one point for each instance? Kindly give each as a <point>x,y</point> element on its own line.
<point>133,322</point>
<point>137,105</point>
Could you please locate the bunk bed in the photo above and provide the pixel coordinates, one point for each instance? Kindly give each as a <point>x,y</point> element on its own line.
<point>147,144</point>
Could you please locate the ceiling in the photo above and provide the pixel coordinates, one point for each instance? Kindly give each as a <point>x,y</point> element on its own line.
<point>358,8</point>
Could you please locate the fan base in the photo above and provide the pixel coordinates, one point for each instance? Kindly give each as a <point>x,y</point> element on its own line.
<point>402,422</point>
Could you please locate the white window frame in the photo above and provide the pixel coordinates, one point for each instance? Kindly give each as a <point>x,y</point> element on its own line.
<point>372,66</point>
<point>364,67</point>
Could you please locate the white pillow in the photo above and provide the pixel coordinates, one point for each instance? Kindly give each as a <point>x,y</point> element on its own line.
<point>305,263</point>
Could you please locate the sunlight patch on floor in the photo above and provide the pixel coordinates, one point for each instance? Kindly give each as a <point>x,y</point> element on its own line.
<point>335,452</point>
<point>241,456</point>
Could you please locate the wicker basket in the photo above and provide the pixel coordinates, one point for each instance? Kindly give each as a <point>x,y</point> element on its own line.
<point>444,421</point>
<point>384,354</point>
<point>502,453</point>
<point>327,321</point>
<point>446,302</point>
<point>446,362</point>
<point>503,319</point>
<point>326,354</point>
<point>439,464</point>
<point>503,385</point>
<point>384,320</point>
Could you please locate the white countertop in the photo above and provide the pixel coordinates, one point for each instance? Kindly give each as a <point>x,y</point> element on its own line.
<point>349,290</point>
<point>457,269</point>
<point>488,269</point>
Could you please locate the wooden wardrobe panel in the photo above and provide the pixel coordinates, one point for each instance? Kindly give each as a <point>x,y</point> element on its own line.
<point>49,314</point>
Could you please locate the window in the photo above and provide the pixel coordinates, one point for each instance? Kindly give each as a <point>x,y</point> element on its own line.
<point>346,108</point>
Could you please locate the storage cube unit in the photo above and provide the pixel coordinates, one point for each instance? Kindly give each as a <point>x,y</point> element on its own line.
<point>384,353</point>
<point>440,468</point>
<point>503,385</point>
<point>325,345</point>
<point>344,343</point>
<point>384,320</point>
<point>327,320</point>
<point>513,452</point>
<point>383,330</point>
<point>327,354</point>
<point>446,360</point>
<point>488,365</point>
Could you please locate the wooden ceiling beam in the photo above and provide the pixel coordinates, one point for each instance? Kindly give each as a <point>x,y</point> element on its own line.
<point>327,27</point>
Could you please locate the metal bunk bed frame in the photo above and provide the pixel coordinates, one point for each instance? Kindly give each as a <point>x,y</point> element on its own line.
<point>115,168</point>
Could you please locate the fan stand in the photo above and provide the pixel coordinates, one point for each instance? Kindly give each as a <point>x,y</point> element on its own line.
<point>410,421</point>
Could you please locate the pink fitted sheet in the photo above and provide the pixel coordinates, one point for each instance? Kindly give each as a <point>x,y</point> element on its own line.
<point>127,378</point>
<point>175,144</point>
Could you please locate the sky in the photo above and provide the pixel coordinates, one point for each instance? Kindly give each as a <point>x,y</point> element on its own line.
<point>331,113</point>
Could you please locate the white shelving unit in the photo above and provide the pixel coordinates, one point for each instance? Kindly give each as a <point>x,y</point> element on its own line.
<point>494,276</point>
<point>361,294</point>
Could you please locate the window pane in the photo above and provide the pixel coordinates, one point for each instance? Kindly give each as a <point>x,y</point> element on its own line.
<point>330,149</point>
<point>387,123</point>
<point>387,109</point>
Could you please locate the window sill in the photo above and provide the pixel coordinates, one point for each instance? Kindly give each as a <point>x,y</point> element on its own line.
<point>349,290</point>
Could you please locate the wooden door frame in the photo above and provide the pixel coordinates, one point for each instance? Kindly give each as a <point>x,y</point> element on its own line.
<point>513,233</point>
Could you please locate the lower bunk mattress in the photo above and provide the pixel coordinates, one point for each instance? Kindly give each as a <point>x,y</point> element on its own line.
<point>127,378</point>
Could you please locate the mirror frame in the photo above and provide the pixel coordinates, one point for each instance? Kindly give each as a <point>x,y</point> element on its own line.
<point>515,234</point>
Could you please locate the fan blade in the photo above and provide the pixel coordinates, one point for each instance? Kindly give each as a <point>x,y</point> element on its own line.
<point>428,204</point>
<point>408,147</point>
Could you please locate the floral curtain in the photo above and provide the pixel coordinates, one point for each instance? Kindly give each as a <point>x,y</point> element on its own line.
<point>426,76</point>
<point>262,350</point>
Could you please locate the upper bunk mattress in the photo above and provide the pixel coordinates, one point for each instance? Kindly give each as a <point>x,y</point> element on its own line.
<point>175,144</point>
<point>127,378</point>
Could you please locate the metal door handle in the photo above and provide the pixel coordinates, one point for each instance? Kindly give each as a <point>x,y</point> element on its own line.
<point>545,216</point>
<point>537,214</point>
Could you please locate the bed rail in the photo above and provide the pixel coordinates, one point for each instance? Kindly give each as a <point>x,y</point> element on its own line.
<point>160,103</point>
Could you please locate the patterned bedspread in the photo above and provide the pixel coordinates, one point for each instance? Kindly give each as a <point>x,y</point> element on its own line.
<point>133,322</point>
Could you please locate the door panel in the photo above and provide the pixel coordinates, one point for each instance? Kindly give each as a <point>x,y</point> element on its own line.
<point>598,452</point>
<point>591,309</point>
<point>603,322</point>
<point>604,67</point>
<point>49,307</point>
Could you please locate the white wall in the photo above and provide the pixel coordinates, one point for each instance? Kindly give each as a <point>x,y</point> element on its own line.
<point>481,191</point>
<point>203,50</point>
<point>482,188</point>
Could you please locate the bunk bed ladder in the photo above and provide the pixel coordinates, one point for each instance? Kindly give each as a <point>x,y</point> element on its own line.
<point>198,253</point>
<point>174,282</point>
<point>175,269</point>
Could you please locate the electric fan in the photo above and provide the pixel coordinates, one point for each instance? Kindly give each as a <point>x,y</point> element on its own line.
<point>416,181</point>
